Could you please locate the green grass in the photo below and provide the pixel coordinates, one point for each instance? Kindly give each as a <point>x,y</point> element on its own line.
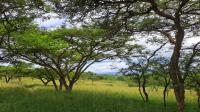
<point>103,96</point>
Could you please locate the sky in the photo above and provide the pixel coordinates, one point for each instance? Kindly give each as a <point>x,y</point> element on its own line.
<point>111,67</point>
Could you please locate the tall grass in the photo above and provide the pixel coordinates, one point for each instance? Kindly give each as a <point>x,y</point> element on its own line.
<point>31,96</point>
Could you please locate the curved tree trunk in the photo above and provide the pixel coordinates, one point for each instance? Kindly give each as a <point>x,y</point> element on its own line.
<point>139,88</point>
<point>45,81</point>
<point>144,90</point>
<point>174,70</point>
<point>52,78</point>
<point>54,84</point>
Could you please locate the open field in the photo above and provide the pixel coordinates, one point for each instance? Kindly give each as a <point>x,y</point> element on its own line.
<point>103,96</point>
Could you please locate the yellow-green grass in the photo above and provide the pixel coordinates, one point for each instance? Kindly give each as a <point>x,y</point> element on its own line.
<point>103,96</point>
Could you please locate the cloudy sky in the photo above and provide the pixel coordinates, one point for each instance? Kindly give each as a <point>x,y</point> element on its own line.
<point>108,66</point>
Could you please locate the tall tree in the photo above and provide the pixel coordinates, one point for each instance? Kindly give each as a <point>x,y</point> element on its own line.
<point>45,75</point>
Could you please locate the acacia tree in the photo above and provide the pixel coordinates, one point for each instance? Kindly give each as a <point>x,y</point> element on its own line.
<point>68,52</point>
<point>16,70</point>
<point>172,19</point>
<point>45,75</point>
<point>20,68</point>
<point>7,73</point>
<point>139,63</point>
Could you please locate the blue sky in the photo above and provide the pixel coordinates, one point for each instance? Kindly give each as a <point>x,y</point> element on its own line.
<point>108,66</point>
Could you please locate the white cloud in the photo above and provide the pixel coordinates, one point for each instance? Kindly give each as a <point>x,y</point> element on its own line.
<point>107,67</point>
<point>191,41</point>
<point>50,23</point>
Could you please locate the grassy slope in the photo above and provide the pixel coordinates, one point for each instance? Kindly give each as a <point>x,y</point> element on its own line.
<point>103,96</point>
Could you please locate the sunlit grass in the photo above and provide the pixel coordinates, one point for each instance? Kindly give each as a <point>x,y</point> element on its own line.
<point>103,96</point>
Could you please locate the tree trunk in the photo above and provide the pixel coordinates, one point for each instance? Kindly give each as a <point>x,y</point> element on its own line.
<point>44,82</point>
<point>69,89</point>
<point>178,83</point>
<point>7,79</point>
<point>144,90</point>
<point>180,97</point>
<point>198,101</point>
<point>61,84</point>
<point>20,80</point>
<point>178,86</point>
<point>174,71</point>
<point>164,95</point>
<point>53,81</point>
<point>55,85</point>
<point>92,82</point>
<point>198,97</point>
<point>139,88</point>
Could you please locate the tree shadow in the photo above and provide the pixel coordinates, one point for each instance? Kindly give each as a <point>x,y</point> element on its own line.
<point>33,85</point>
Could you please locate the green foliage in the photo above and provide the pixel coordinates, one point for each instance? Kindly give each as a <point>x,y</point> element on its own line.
<point>68,52</point>
<point>17,15</point>
<point>92,33</point>
<point>162,3</point>
<point>14,71</point>
<point>35,39</point>
<point>93,76</point>
<point>6,70</point>
<point>42,74</point>
<point>148,22</point>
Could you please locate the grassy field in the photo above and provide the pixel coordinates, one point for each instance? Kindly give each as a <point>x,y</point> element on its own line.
<point>103,96</point>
